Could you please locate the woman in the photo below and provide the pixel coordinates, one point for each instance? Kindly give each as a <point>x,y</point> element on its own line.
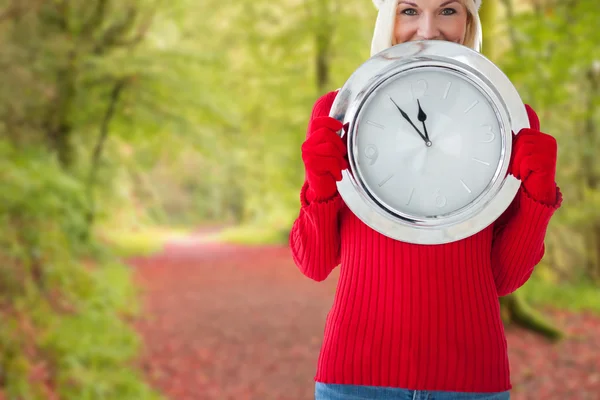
<point>412,321</point>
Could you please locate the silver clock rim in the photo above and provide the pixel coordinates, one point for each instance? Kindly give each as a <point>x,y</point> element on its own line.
<point>511,115</point>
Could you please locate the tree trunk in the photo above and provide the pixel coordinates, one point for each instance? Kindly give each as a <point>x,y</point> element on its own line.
<point>98,149</point>
<point>324,26</point>
<point>322,61</point>
<point>488,14</point>
<point>593,267</point>
<point>59,126</point>
<point>590,175</point>
<point>514,309</point>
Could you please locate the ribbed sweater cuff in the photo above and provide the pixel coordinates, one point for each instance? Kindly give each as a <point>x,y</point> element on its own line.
<point>305,202</point>
<point>531,207</point>
<point>520,246</point>
<point>315,237</point>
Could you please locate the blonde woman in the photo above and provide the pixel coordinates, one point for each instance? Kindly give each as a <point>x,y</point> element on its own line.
<point>411,321</point>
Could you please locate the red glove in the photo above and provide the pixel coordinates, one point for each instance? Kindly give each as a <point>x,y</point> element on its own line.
<point>324,155</point>
<point>534,161</point>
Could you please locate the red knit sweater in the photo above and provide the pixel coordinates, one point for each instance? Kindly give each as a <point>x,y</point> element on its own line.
<point>415,316</point>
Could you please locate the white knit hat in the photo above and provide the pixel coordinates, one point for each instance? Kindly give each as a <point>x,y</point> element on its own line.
<point>386,20</point>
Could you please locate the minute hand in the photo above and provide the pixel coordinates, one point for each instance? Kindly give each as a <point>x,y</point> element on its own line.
<point>406,117</point>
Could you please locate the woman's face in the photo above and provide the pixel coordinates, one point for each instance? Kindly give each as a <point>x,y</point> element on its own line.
<point>430,20</point>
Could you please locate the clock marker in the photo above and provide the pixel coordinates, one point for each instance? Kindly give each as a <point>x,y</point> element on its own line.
<point>447,90</point>
<point>385,180</point>
<point>410,196</point>
<point>471,106</point>
<point>482,162</point>
<point>465,186</point>
<point>376,125</point>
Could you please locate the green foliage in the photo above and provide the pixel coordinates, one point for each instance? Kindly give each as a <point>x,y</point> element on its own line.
<point>37,194</point>
<point>64,324</point>
<point>553,60</point>
<point>183,112</point>
<point>144,241</point>
<point>99,95</point>
<point>575,296</point>
<point>253,235</point>
<point>281,58</point>
<point>87,347</point>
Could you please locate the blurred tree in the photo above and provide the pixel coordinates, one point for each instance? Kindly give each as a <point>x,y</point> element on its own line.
<point>286,55</point>
<point>560,80</point>
<point>82,80</point>
<point>323,15</point>
<point>489,16</point>
<point>589,169</point>
<point>514,308</point>
<point>71,36</point>
<point>81,72</point>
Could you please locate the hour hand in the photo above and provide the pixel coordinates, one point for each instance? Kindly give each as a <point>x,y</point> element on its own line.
<point>422,117</point>
<point>406,117</point>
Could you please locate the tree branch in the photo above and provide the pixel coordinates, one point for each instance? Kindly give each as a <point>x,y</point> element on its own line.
<point>510,15</point>
<point>96,18</point>
<point>99,147</point>
<point>112,34</point>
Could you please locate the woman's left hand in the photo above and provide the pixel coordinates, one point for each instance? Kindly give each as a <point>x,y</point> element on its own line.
<point>534,161</point>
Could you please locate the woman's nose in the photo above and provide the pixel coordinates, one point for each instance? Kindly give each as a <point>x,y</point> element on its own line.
<point>428,28</point>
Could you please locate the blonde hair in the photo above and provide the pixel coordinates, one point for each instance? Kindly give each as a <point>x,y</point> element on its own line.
<point>473,33</point>
<point>385,24</point>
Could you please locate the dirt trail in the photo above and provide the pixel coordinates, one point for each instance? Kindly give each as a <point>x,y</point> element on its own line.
<point>232,322</point>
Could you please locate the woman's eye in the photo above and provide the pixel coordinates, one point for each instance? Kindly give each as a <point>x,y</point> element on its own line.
<point>448,11</point>
<point>409,11</point>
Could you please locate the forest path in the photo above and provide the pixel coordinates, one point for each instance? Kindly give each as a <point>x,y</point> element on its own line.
<point>233,322</point>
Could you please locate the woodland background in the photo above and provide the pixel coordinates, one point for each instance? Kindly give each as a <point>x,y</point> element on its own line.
<point>126,123</point>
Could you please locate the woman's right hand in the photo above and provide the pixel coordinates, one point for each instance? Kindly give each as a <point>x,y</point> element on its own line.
<point>324,155</point>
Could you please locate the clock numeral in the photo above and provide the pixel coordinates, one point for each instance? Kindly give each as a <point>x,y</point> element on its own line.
<point>383,182</point>
<point>489,133</point>
<point>472,106</point>
<point>372,153</point>
<point>419,88</point>
<point>447,90</point>
<point>440,199</point>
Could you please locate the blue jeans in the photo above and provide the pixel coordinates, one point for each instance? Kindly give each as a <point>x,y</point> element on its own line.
<point>351,392</point>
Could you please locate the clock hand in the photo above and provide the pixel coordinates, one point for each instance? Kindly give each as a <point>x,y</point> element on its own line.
<point>406,117</point>
<point>422,117</point>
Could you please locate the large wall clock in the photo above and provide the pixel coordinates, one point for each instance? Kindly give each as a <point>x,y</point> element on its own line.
<point>429,128</point>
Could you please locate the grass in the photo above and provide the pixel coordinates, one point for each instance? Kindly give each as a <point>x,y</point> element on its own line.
<point>143,242</point>
<point>577,297</point>
<point>253,235</point>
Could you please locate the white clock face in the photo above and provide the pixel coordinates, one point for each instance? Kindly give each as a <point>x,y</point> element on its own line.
<point>442,163</point>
